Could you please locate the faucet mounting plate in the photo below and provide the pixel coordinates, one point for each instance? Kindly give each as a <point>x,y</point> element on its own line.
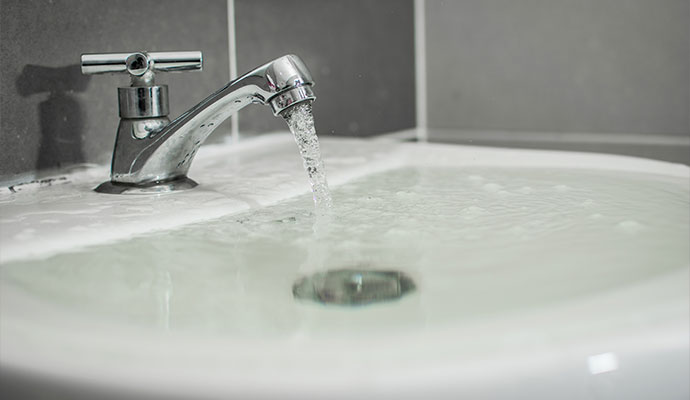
<point>182,183</point>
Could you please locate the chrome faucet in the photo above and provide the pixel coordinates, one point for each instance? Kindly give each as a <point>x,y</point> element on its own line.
<point>153,154</point>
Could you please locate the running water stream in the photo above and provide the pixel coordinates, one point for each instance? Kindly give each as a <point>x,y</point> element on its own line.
<point>301,122</point>
<point>346,286</point>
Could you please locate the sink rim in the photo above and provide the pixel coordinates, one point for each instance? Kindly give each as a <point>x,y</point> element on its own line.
<point>206,364</point>
<point>349,159</point>
<point>345,159</point>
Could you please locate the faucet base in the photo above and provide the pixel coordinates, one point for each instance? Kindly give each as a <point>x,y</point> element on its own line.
<point>177,184</point>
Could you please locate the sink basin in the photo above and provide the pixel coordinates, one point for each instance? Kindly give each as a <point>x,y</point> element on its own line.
<point>537,274</point>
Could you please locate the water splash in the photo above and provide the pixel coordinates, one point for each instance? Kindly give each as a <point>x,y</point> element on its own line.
<point>301,122</point>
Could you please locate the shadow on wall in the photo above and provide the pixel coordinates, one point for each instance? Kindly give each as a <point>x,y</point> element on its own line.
<point>60,115</point>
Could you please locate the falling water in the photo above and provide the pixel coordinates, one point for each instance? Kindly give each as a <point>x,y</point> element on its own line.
<point>348,286</point>
<point>301,122</point>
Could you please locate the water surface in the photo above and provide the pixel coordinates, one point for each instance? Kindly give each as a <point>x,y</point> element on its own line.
<point>478,243</point>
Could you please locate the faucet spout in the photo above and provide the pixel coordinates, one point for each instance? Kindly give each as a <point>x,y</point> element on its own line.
<point>151,151</point>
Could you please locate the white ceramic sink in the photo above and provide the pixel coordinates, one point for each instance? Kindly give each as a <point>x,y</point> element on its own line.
<point>537,275</point>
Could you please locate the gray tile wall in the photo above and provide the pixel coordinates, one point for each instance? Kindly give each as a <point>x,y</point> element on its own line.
<point>559,65</point>
<point>360,53</point>
<point>52,116</point>
<point>514,65</point>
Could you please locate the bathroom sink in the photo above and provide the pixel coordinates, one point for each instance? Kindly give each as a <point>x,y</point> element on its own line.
<point>533,274</point>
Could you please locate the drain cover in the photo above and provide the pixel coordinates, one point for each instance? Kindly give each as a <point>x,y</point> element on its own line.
<point>353,287</point>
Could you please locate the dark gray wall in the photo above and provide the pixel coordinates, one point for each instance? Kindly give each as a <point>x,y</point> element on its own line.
<point>360,53</point>
<point>515,65</point>
<point>52,116</point>
<point>559,65</point>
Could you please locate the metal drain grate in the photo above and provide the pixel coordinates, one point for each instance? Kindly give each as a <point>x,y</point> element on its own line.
<point>353,287</point>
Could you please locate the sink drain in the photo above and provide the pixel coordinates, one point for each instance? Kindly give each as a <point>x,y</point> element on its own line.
<point>352,287</point>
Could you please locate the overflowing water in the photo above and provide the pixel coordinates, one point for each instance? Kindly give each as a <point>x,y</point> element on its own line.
<point>301,122</point>
<point>476,241</point>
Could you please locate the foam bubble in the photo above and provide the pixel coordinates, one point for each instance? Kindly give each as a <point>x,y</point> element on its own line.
<point>629,226</point>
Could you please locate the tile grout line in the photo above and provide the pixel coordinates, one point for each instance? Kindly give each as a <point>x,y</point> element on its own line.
<point>420,70</point>
<point>232,54</point>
